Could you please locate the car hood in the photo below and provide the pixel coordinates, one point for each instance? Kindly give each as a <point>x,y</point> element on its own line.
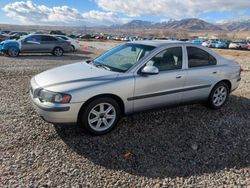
<point>8,43</point>
<point>71,76</point>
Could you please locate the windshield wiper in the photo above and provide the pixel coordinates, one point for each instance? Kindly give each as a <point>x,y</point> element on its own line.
<point>101,65</point>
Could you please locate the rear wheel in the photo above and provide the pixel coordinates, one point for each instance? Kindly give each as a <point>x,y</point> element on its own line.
<point>13,52</point>
<point>218,96</point>
<point>58,52</point>
<point>100,116</point>
<point>72,48</point>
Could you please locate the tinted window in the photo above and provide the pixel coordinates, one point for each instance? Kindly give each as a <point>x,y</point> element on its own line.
<point>198,57</point>
<point>48,38</point>
<point>169,59</point>
<point>64,38</point>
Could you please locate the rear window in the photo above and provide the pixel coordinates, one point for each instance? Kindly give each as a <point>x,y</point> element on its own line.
<point>198,57</point>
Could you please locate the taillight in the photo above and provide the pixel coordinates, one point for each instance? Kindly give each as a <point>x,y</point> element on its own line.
<point>241,69</point>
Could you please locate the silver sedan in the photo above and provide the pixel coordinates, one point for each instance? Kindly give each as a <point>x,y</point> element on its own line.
<point>133,77</point>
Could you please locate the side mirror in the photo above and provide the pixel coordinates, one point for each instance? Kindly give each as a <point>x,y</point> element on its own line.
<point>150,70</point>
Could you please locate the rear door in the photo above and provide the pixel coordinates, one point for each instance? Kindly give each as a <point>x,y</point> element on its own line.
<point>164,88</point>
<point>202,73</point>
<point>48,43</point>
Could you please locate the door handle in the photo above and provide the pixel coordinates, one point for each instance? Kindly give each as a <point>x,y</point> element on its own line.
<point>179,76</point>
<point>215,72</point>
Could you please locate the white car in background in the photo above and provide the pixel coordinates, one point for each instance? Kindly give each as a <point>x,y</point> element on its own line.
<point>205,44</point>
<point>75,44</point>
<point>238,45</point>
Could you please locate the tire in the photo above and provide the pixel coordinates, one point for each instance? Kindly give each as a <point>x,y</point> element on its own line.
<point>218,96</point>
<point>13,52</point>
<point>73,48</point>
<point>5,53</point>
<point>58,52</point>
<point>104,114</point>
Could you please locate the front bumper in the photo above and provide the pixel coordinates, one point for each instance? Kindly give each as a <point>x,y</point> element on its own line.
<point>57,113</point>
<point>1,48</point>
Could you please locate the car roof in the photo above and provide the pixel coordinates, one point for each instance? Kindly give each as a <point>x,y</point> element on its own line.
<point>158,43</point>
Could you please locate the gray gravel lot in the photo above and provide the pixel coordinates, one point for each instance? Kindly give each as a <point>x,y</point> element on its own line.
<point>187,146</point>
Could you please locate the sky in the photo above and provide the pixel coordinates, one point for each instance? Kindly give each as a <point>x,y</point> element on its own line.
<point>109,12</point>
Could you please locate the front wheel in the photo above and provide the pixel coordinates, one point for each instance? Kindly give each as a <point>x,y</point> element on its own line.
<point>218,96</point>
<point>13,52</point>
<point>58,52</point>
<point>100,116</point>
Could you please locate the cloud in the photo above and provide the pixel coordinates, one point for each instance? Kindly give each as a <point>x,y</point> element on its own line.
<point>238,19</point>
<point>28,12</point>
<point>170,8</point>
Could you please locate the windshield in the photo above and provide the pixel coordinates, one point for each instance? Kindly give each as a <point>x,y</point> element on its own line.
<point>121,58</point>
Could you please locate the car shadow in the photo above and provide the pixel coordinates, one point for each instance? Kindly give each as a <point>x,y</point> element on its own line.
<point>65,57</point>
<point>177,142</point>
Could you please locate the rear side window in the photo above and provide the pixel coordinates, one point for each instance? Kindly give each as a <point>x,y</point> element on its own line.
<point>198,57</point>
<point>48,38</point>
<point>64,38</point>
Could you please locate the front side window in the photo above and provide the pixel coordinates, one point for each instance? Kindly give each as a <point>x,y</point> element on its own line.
<point>33,38</point>
<point>198,57</point>
<point>168,59</point>
<point>123,57</point>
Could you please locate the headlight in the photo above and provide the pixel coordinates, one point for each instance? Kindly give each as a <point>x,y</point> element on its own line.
<point>49,96</point>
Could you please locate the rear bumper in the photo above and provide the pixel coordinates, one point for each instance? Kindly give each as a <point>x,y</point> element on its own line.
<point>235,83</point>
<point>67,49</point>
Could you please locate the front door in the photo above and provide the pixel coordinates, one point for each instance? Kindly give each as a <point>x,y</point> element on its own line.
<point>31,44</point>
<point>164,88</point>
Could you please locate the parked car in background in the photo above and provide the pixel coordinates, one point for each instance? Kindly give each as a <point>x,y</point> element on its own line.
<point>183,39</point>
<point>197,41</point>
<point>35,44</point>
<point>221,44</point>
<point>72,36</point>
<point>248,46</point>
<point>17,35</point>
<point>212,44</point>
<point>4,37</point>
<point>5,32</point>
<point>75,45</point>
<point>85,36</point>
<point>238,45</point>
<point>56,32</point>
<point>205,44</point>
<point>132,77</point>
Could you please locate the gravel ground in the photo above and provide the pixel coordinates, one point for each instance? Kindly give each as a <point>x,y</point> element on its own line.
<point>187,146</point>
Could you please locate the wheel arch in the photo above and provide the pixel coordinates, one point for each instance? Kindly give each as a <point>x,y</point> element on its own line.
<point>113,96</point>
<point>229,84</point>
<point>57,47</point>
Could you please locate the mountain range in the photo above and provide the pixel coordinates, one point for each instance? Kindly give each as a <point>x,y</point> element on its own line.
<point>190,24</point>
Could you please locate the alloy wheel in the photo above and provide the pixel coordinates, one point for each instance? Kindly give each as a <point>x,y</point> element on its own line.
<point>102,116</point>
<point>219,96</point>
